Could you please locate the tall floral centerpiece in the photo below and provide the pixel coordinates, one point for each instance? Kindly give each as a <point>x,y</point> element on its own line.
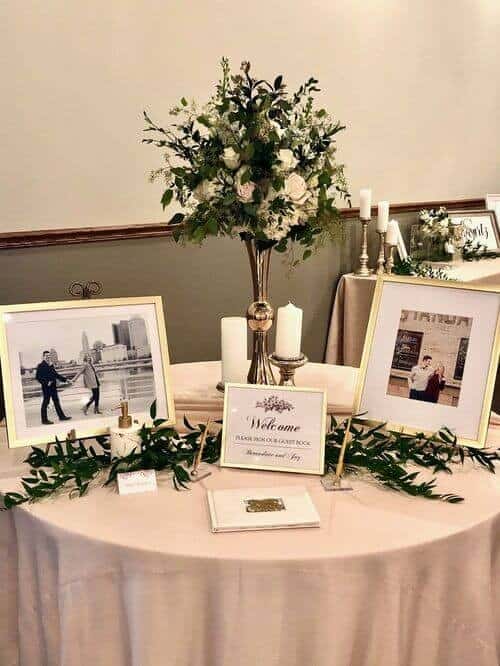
<point>258,163</point>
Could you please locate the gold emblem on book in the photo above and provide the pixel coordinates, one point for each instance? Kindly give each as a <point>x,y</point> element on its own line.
<point>267,504</point>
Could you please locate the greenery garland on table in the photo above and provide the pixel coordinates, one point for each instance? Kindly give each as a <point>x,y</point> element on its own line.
<point>476,251</point>
<point>383,455</point>
<point>418,268</point>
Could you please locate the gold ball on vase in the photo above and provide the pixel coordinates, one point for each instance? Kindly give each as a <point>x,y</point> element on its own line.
<point>260,316</point>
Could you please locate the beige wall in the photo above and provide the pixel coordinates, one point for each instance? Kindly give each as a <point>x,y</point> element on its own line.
<point>416,83</point>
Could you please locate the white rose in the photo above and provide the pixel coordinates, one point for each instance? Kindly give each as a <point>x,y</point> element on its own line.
<point>231,158</point>
<point>286,159</point>
<point>205,190</point>
<point>243,191</point>
<point>296,189</point>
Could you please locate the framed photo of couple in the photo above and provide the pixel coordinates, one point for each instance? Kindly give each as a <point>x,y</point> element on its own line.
<point>66,365</point>
<point>430,357</point>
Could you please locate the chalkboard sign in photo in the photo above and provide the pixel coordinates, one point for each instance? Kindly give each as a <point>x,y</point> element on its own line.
<point>407,349</point>
<point>463,345</point>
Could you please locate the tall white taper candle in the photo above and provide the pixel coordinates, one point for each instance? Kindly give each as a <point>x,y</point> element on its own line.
<point>289,332</point>
<point>383,216</point>
<point>391,237</point>
<point>234,349</point>
<point>365,204</point>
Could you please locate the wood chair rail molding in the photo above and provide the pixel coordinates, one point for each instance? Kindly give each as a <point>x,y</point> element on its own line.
<point>45,237</point>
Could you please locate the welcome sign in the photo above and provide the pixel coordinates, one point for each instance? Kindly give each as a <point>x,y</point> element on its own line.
<point>276,428</point>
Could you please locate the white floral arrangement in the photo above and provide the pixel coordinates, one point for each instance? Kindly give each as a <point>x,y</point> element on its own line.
<point>435,223</point>
<point>255,161</point>
<point>437,226</point>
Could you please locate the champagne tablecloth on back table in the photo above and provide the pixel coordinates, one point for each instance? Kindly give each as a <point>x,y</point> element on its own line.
<point>140,580</point>
<point>353,300</point>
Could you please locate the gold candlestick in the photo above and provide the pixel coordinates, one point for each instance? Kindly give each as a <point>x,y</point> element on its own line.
<point>381,253</point>
<point>287,367</point>
<point>389,258</point>
<point>363,270</point>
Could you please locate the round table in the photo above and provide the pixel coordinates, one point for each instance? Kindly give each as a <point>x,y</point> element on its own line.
<point>141,580</point>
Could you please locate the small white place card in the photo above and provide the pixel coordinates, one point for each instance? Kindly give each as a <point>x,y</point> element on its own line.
<point>278,428</point>
<point>142,481</point>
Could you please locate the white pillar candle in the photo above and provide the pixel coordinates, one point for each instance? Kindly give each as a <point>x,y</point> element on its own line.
<point>365,204</point>
<point>391,237</point>
<point>234,349</point>
<point>383,216</point>
<point>289,332</point>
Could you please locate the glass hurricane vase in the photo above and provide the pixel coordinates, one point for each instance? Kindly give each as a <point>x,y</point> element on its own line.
<point>260,313</point>
<point>425,247</point>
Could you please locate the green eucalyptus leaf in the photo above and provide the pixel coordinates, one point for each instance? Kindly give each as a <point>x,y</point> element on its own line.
<point>166,198</point>
<point>153,410</point>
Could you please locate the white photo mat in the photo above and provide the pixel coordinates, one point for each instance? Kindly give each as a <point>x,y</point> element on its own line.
<point>493,203</point>
<point>467,418</point>
<point>274,428</point>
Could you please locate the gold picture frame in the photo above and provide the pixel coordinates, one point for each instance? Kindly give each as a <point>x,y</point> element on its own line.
<point>152,306</point>
<point>491,214</point>
<point>225,459</point>
<point>359,407</point>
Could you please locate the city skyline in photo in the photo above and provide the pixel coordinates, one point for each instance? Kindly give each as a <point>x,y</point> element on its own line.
<point>67,337</point>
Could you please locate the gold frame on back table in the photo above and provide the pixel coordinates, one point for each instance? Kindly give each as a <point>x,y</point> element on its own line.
<point>474,213</point>
<point>156,301</point>
<point>367,350</point>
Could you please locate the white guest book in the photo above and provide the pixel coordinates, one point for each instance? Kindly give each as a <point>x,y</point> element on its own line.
<point>261,509</point>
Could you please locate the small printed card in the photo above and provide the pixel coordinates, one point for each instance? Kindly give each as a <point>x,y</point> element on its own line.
<point>261,509</point>
<point>142,481</point>
<point>276,428</point>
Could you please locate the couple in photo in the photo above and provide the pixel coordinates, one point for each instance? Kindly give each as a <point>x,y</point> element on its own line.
<point>47,376</point>
<point>426,382</point>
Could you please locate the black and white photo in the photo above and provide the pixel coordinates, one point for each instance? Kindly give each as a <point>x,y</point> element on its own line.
<point>70,366</point>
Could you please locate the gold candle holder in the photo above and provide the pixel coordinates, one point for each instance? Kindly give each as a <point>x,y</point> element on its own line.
<point>287,367</point>
<point>389,258</point>
<point>381,253</point>
<point>363,270</point>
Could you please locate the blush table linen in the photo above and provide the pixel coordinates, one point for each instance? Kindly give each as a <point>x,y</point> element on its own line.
<point>140,580</point>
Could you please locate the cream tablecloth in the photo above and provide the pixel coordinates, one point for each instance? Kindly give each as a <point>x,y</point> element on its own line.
<point>141,581</point>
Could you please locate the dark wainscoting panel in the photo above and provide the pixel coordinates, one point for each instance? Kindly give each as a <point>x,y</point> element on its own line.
<point>40,238</point>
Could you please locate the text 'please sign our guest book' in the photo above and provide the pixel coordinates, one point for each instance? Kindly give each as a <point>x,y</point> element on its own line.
<point>261,509</point>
